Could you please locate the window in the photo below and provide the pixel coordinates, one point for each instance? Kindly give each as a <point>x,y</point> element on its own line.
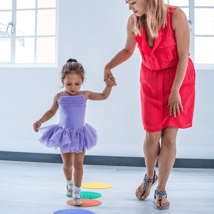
<point>200,14</point>
<point>28,32</point>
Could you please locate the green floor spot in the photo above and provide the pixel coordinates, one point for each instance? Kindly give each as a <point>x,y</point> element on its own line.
<point>88,195</point>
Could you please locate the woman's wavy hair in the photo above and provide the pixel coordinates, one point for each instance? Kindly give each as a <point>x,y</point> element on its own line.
<point>155,17</point>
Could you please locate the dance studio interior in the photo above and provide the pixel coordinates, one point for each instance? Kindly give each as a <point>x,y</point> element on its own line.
<point>84,124</point>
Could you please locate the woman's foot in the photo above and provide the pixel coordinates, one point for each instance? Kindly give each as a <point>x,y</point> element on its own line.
<point>160,199</point>
<point>143,190</point>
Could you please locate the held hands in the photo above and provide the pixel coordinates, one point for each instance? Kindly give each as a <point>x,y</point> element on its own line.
<point>110,83</point>
<point>36,125</point>
<point>174,103</point>
<point>109,78</point>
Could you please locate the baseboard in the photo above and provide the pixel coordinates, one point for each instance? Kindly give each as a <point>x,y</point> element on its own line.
<point>103,160</point>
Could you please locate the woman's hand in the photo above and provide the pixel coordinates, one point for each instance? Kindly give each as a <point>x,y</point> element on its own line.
<point>108,74</point>
<point>36,125</point>
<point>174,103</point>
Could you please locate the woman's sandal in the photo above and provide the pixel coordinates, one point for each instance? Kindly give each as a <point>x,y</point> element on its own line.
<point>160,194</point>
<point>146,181</point>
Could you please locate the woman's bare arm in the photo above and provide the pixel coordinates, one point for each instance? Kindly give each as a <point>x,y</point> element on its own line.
<point>125,53</point>
<point>182,35</point>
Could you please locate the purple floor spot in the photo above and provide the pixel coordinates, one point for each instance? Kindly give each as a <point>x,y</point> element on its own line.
<point>73,211</point>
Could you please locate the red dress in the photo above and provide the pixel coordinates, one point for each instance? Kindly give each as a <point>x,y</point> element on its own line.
<point>157,75</point>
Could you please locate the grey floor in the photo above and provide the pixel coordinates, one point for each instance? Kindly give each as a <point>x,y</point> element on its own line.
<point>39,188</point>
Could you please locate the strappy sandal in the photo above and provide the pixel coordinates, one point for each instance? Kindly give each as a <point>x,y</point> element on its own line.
<point>160,194</point>
<point>146,181</point>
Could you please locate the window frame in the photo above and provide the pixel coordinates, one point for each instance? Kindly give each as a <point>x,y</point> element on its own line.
<point>12,63</point>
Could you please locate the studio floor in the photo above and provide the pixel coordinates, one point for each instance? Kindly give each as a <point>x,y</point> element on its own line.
<point>39,188</point>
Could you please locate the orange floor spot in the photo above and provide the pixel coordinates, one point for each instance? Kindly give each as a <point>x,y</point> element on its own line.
<point>86,203</point>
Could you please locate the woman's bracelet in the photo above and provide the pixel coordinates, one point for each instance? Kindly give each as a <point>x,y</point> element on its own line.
<point>39,121</point>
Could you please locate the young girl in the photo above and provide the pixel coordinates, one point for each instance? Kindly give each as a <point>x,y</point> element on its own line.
<point>71,134</point>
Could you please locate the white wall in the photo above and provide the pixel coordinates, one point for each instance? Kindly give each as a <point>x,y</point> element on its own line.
<point>93,32</point>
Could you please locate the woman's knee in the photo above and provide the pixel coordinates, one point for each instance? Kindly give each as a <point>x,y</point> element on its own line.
<point>152,138</point>
<point>168,141</point>
<point>169,137</point>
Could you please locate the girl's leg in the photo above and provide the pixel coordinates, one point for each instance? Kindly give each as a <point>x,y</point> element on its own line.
<point>78,168</point>
<point>67,165</point>
<point>166,160</point>
<point>151,150</point>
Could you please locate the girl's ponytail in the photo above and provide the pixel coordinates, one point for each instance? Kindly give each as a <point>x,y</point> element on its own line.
<point>71,60</point>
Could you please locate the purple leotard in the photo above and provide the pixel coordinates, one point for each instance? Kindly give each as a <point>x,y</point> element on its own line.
<point>71,134</point>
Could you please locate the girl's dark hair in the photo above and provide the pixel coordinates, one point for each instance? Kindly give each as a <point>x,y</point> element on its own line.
<point>72,66</point>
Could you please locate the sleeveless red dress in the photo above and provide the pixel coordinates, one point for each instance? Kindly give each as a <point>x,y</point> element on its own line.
<point>157,75</point>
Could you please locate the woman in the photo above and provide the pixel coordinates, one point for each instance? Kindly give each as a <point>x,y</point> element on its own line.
<point>167,80</point>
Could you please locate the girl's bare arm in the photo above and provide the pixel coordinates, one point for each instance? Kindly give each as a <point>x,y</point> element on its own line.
<point>52,111</point>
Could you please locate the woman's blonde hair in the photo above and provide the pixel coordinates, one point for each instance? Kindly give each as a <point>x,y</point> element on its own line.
<point>155,17</point>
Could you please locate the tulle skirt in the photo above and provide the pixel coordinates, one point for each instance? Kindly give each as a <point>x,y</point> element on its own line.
<point>76,140</point>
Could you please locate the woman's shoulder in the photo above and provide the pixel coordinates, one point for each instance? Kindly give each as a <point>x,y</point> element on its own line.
<point>175,10</point>
<point>130,24</point>
<point>178,16</point>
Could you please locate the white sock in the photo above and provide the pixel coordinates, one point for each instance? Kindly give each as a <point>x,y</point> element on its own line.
<point>76,192</point>
<point>70,184</point>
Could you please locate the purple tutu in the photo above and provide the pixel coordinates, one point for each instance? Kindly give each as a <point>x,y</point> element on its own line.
<point>72,134</point>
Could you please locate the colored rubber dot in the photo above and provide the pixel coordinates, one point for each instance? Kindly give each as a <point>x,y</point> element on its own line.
<point>86,203</point>
<point>96,185</point>
<point>88,195</point>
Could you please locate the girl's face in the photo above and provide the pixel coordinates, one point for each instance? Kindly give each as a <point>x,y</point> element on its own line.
<point>72,83</point>
<point>139,7</point>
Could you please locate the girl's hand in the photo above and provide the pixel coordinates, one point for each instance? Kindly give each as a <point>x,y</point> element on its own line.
<point>110,83</point>
<point>174,103</point>
<point>36,125</point>
<point>108,73</point>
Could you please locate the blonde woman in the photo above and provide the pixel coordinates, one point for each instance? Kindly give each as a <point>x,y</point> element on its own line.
<point>167,89</point>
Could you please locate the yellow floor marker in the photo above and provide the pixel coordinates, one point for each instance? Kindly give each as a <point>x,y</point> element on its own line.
<point>96,185</point>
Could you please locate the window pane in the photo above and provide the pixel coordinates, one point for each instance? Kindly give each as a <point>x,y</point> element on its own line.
<point>204,2</point>
<point>46,50</point>
<point>46,3</point>
<point>165,1</point>
<point>179,2</point>
<point>204,50</point>
<point>46,22</point>
<point>23,4</point>
<point>5,47</point>
<point>204,19</point>
<point>25,26</point>
<point>5,4</point>
<point>186,11</point>
<point>25,50</point>
<point>5,18</point>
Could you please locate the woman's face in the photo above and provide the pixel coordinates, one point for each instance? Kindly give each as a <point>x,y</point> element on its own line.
<point>139,7</point>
